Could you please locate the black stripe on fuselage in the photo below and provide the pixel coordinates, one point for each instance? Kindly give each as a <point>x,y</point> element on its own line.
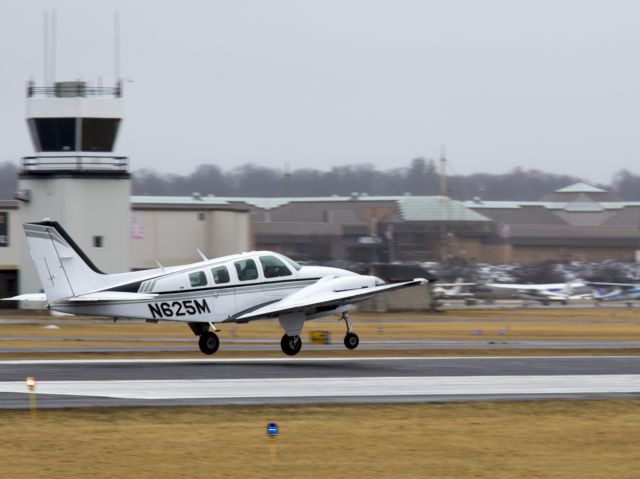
<point>134,287</point>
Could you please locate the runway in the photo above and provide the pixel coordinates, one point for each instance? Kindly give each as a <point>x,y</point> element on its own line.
<point>137,345</point>
<point>164,382</point>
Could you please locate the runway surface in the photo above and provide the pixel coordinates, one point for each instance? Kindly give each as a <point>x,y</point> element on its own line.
<point>137,345</point>
<point>162,382</point>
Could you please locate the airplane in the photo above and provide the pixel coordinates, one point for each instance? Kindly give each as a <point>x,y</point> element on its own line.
<point>546,293</point>
<point>451,290</point>
<point>237,288</point>
<point>626,292</point>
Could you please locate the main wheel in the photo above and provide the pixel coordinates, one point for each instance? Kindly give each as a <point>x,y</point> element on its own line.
<point>351,340</point>
<point>209,342</point>
<point>291,345</point>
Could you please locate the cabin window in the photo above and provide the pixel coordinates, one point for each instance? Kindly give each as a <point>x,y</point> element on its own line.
<point>220,274</point>
<point>98,241</point>
<point>198,279</point>
<point>273,267</point>
<point>295,265</point>
<point>246,269</point>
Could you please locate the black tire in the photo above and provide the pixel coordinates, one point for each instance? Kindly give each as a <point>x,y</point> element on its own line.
<point>351,341</point>
<point>209,342</point>
<point>291,345</point>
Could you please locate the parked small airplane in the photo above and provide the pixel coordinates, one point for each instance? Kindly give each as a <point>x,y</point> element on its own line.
<point>626,292</point>
<point>546,293</point>
<point>232,289</point>
<point>451,290</point>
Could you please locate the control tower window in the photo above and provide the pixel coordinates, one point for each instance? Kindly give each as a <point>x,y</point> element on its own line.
<point>99,134</point>
<point>56,134</point>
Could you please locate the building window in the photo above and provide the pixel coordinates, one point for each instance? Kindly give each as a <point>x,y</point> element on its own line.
<point>99,134</point>
<point>55,134</point>
<point>98,241</point>
<point>200,216</point>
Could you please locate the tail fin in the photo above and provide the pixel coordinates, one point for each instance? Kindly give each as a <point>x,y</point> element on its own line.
<point>457,289</point>
<point>63,268</point>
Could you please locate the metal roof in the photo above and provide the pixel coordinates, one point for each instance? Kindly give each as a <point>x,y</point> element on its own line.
<point>436,208</point>
<point>581,188</point>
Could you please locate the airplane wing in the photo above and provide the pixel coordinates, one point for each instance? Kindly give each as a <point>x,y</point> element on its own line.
<point>519,287</point>
<point>319,297</point>
<point>613,285</point>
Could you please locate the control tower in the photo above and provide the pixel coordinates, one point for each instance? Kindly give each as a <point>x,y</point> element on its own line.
<point>74,177</point>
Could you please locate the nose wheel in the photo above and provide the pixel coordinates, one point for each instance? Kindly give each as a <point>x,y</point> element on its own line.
<point>291,345</point>
<point>351,339</point>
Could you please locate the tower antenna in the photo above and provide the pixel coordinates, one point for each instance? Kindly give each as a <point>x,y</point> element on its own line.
<point>116,46</point>
<point>54,35</point>
<point>45,48</point>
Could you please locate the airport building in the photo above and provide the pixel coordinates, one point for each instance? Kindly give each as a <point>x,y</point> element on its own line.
<point>75,178</point>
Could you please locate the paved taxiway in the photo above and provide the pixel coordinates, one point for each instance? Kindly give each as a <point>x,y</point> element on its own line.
<point>161,382</point>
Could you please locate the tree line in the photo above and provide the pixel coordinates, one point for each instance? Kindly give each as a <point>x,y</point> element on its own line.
<point>419,177</point>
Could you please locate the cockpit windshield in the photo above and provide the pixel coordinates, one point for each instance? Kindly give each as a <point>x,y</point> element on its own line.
<point>295,265</point>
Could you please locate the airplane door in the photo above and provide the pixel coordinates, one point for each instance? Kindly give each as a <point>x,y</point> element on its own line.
<point>278,278</point>
<point>224,302</point>
<point>224,294</point>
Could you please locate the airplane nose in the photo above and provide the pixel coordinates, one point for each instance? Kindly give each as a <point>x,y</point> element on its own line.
<point>378,281</point>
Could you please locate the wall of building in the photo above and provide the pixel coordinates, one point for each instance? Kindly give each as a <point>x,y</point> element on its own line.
<point>173,236</point>
<point>86,208</point>
<point>10,254</point>
<point>534,254</point>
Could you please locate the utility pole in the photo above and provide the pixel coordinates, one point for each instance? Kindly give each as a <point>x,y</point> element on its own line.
<point>443,171</point>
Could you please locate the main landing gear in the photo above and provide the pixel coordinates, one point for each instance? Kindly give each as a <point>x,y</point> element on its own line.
<point>208,341</point>
<point>291,345</point>
<point>351,339</point>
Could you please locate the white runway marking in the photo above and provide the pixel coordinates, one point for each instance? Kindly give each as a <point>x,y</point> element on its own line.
<point>336,387</point>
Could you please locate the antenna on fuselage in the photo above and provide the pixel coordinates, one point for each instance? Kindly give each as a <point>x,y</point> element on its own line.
<point>159,265</point>
<point>204,258</point>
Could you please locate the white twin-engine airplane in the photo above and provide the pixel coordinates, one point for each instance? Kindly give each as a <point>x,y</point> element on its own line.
<point>232,289</point>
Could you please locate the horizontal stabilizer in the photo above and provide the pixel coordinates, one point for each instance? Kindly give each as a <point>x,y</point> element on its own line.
<point>27,297</point>
<point>112,296</point>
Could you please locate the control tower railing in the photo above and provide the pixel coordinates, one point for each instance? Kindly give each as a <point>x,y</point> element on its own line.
<point>75,164</point>
<point>73,90</point>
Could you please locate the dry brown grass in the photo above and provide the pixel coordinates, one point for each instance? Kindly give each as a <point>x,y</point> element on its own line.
<point>517,324</point>
<point>549,439</point>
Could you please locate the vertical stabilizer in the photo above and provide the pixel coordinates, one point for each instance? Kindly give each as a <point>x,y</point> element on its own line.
<point>64,270</point>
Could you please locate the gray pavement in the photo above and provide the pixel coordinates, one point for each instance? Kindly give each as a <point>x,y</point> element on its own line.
<point>316,380</point>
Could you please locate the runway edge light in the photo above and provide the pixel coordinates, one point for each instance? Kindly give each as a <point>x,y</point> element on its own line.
<point>31,385</point>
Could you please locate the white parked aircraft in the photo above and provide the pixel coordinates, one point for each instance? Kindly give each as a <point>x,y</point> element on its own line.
<point>546,293</point>
<point>451,290</point>
<point>232,289</point>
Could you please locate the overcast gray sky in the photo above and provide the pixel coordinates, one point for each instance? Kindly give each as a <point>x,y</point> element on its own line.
<point>546,84</point>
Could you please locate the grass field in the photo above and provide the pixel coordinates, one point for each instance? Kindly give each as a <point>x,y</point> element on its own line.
<point>488,325</point>
<point>545,439</point>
